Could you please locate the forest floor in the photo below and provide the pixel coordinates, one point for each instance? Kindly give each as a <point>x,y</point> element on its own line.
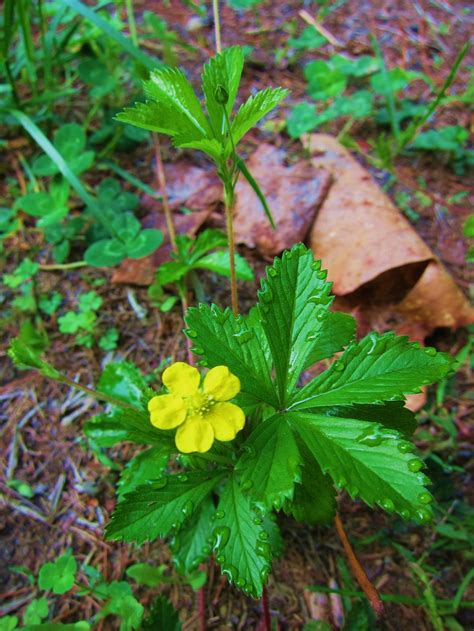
<point>74,492</point>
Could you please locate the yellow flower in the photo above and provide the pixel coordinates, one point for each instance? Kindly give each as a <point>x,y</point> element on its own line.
<point>200,414</point>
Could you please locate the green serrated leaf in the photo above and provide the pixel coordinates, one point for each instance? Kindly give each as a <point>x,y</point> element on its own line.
<point>120,425</point>
<point>368,460</point>
<point>222,71</point>
<point>390,414</point>
<point>378,368</point>
<point>25,357</point>
<point>156,509</point>
<point>188,545</point>
<point>240,541</point>
<point>123,380</point>
<point>212,147</point>
<point>255,108</point>
<point>170,87</point>
<point>293,302</point>
<point>121,603</point>
<point>337,330</point>
<point>145,466</point>
<point>221,339</point>
<point>314,500</point>
<point>162,617</point>
<point>219,263</point>
<point>270,464</point>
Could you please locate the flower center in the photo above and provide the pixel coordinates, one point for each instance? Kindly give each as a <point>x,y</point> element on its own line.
<point>199,404</point>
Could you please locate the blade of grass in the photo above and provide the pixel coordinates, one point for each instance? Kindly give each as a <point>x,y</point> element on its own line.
<point>124,42</point>
<point>390,598</point>
<point>416,124</point>
<point>256,188</point>
<point>128,177</point>
<point>50,150</point>
<point>389,95</point>
<point>457,600</point>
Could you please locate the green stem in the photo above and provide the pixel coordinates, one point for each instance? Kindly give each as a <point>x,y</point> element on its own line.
<point>131,22</point>
<point>229,220</point>
<point>100,396</point>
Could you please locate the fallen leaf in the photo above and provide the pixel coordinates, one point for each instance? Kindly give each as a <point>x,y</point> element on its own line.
<point>293,193</point>
<point>375,257</point>
<point>359,234</point>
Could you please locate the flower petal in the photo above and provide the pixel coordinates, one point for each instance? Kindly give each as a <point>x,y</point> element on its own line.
<point>167,411</point>
<point>194,435</point>
<point>182,379</point>
<point>226,420</point>
<point>221,383</point>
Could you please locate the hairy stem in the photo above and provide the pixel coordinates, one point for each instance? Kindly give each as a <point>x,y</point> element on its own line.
<point>160,174</point>
<point>229,209</point>
<point>362,578</point>
<point>267,622</point>
<point>217,25</point>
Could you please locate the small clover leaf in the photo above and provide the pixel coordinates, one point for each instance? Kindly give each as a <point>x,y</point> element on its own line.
<point>58,576</point>
<point>36,611</point>
<point>24,272</point>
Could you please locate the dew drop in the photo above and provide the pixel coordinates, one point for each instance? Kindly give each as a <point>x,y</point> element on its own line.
<point>263,536</point>
<point>231,572</point>
<point>415,464</point>
<point>243,336</point>
<point>377,345</point>
<point>198,350</point>
<point>429,350</point>
<point>405,513</point>
<point>387,505</point>
<point>338,365</point>
<point>258,521</point>
<point>264,572</point>
<point>263,549</point>
<point>425,498</point>
<point>272,272</point>
<point>220,514</point>
<point>316,265</point>
<point>221,536</point>
<point>220,558</point>
<point>247,485</point>
<point>240,583</point>
<point>423,515</point>
<point>405,447</point>
<point>342,482</point>
<point>321,275</point>
<point>182,477</point>
<point>320,315</point>
<point>353,491</point>
<point>191,333</point>
<point>187,509</point>
<point>311,337</point>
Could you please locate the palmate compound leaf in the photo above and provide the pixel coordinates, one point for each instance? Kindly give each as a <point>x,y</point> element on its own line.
<point>241,541</point>
<point>293,303</point>
<point>222,71</point>
<point>156,509</point>
<point>370,461</point>
<point>337,330</point>
<point>376,369</point>
<point>270,464</point>
<point>221,339</point>
<point>146,465</point>
<point>255,108</point>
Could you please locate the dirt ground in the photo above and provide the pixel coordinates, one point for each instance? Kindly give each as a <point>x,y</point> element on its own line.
<point>74,493</point>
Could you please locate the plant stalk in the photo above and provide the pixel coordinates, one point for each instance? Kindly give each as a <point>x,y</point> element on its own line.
<point>100,396</point>
<point>362,578</point>
<point>229,208</point>
<point>267,621</point>
<point>217,25</point>
<point>160,174</point>
<point>132,27</point>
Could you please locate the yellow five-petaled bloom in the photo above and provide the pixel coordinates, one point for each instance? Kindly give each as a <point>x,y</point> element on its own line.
<point>201,414</point>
